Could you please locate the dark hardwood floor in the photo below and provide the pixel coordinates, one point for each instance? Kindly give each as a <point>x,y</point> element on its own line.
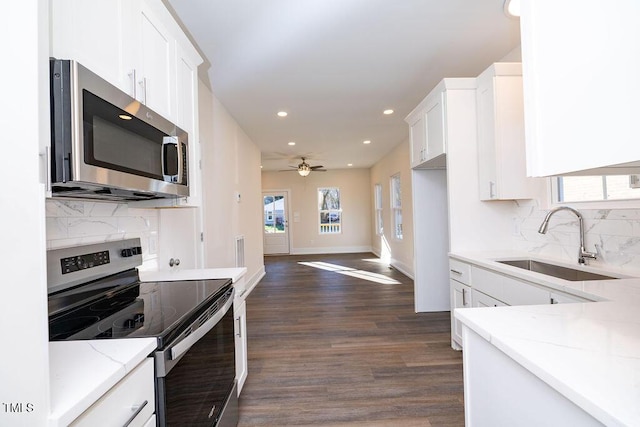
<point>330,349</point>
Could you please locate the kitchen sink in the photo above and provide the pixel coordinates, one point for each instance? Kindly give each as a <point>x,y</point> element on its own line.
<point>565,273</point>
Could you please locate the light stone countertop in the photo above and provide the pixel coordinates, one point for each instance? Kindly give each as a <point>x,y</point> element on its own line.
<point>588,352</point>
<point>81,372</point>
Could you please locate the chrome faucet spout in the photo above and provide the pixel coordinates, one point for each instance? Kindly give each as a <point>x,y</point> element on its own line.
<point>583,254</point>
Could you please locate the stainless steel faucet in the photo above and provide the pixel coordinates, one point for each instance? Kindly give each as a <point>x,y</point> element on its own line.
<point>582,254</point>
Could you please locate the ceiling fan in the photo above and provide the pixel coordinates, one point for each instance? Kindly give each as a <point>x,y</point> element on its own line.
<point>305,168</point>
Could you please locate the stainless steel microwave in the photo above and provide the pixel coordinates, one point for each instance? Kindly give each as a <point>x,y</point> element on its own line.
<point>107,145</point>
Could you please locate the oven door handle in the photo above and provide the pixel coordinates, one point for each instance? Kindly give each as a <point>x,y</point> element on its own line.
<point>184,345</point>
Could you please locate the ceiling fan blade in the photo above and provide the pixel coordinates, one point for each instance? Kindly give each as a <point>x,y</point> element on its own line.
<point>288,170</point>
<point>316,167</point>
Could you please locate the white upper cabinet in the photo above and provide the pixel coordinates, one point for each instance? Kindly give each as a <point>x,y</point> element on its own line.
<point>501,146</point>
<point>136,45</point>
<point>427,126</point>
<point>581,87</point>
<point>91,32</point>
<point>153,59</point>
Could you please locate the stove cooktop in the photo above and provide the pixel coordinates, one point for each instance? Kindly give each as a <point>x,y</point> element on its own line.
<point>134,309</point>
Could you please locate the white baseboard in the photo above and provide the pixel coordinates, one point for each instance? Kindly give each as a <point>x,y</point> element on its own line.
<point>402,268</point>
<point>330,250</point>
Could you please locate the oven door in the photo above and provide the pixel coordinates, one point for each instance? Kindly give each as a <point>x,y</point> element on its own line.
<point>195,378</point>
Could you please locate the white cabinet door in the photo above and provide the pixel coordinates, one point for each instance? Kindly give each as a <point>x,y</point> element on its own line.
<point>156,63</point>
<point>460,298</point>
<point>240,313</point>
<point>418,139</point>
<point>435,127</point>
<point>427,127</point>
<point>501,145</point>
<point>91,32</point>
<point>178,239</point>
<point>478,299</point>
<point>581,84</point>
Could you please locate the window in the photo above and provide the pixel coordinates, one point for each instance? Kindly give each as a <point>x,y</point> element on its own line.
<point>377,197</point>
<point>396,206</point>
<point>595,188</point>
<point>330,213</point>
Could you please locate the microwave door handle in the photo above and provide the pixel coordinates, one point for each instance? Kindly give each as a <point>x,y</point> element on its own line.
<point>168,140</point>
<point>184,345</point>
<point>179,180</point>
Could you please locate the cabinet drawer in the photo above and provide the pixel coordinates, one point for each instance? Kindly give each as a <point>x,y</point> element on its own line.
<point>460,271</point>
<point>516,292</point>
<point>488,282</point>
<point>120,403</point>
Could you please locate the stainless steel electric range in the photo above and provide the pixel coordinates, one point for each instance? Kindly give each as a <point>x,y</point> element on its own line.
<point>95,293</point>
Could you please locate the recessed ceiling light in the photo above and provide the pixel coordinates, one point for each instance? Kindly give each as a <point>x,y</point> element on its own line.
<point>282,114</point>
<point>349,164</point>
<point>291,143</point>
<point>387,112</point>
<point>512,8</point>
<point>366,142</point>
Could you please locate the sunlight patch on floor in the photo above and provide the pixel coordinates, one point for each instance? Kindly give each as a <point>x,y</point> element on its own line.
<point>348,271</point>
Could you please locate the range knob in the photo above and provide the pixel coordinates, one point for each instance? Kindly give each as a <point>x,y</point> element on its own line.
<point>129,324</point>
<point>138,318</point>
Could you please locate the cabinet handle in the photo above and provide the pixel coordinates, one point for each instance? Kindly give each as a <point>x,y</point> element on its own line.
<point>47,169</point>
<point>464,297</point>
<point>553,300</point>
<point>492,186</point>
<point>459,273</point>
<point>143,86</point>
<point>135,414</point>
<point>239,334</point>
<point>132,76</point>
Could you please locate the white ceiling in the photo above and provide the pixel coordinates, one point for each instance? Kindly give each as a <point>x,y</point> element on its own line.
<point>335,65</point>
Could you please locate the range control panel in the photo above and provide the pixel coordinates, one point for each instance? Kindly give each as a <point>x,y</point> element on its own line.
<point>82,262</point>
<point>76,265</point>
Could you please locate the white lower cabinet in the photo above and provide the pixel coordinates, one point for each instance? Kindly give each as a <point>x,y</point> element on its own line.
<point>498,391</point>
<point>460,298</point>
<point>473,286</point>
<point>478,299</point>
<point>240,314</point>
<point>131,402</point>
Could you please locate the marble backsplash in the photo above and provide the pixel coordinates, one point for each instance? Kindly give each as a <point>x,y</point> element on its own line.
<point>75,222</point>
<point>613,233</point>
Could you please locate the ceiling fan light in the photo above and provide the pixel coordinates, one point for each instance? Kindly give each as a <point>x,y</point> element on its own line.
<point>304,171</point>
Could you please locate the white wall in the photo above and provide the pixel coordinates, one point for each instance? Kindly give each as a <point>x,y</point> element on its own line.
<point>356,202</point>
<point>400,252</point>
<point>615,233</point>
<point>230,167</point>
<point>76,222</point>
<point>24,362</point>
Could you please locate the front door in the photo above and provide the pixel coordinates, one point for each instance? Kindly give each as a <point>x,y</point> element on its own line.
<point>276,224</point>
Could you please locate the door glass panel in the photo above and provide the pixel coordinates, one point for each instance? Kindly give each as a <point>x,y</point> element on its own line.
<point>274,219</point>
